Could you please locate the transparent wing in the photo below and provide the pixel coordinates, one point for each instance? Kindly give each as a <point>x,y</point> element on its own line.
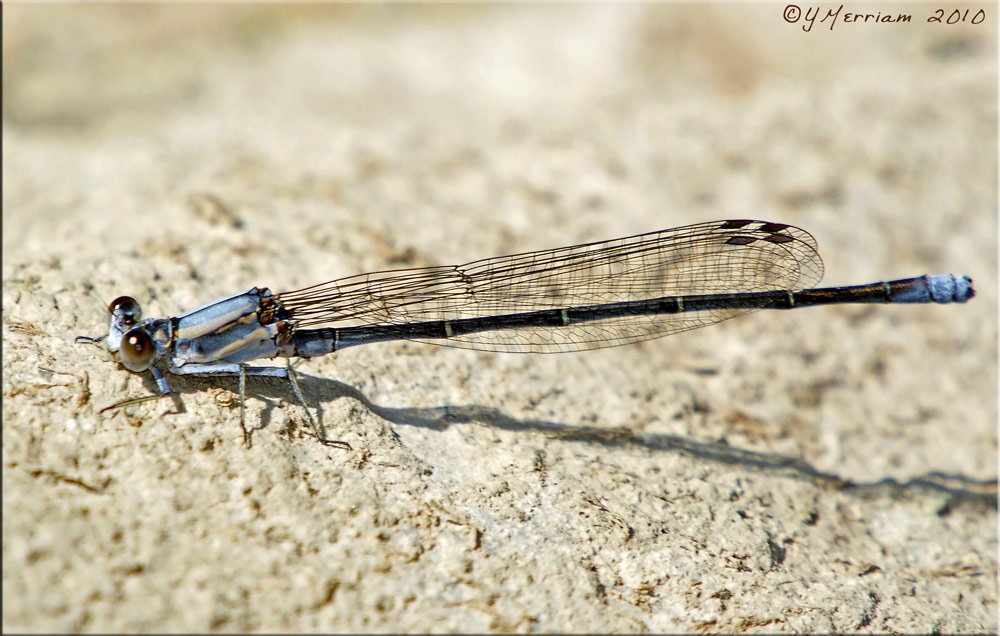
<point>708,258</point>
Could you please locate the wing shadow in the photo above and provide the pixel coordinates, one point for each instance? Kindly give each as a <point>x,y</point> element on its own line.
<point>960,490</point>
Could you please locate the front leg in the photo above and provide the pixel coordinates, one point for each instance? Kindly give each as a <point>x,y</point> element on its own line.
<point>161,384</point>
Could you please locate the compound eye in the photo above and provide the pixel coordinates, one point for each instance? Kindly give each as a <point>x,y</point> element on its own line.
<point>126,307</point>
<point>137,350</point>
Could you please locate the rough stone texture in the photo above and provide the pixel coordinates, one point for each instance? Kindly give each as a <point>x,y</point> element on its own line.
<point>772,473</point>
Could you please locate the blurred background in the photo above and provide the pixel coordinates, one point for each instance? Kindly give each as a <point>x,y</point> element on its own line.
<point>511,121</point>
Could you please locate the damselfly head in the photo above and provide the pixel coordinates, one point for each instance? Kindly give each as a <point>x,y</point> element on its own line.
<point>129,344</point>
